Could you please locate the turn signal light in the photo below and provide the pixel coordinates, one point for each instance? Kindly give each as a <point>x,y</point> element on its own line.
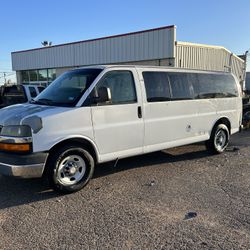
<point>15,147</point>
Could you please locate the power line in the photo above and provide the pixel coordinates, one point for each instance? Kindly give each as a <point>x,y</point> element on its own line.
<point>9,73</point>
<point>4,76</point>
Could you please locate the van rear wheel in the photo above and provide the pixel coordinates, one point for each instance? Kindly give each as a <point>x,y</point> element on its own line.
<point>70,168</point>
<point>219,139</point>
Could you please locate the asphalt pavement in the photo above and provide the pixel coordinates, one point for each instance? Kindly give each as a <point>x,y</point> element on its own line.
<point>181,198</point>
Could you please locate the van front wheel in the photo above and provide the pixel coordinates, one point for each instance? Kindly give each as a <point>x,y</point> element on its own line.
<point>70,168</point>
<point>219,139</point>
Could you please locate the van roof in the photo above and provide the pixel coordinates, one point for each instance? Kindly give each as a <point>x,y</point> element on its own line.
<point>151,67</point>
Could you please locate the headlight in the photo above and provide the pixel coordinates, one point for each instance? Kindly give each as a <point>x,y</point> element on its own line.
<point>16,131</point>
<point>16,139</point>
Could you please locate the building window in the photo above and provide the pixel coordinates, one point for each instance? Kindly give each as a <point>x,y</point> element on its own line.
<point>25,76</point>
<point>43,75</point>
<point>39,77</point>
<point>51,75</point>
<point>33,75</point>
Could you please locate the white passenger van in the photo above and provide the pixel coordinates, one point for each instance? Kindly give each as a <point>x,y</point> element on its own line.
<point>103,113</point>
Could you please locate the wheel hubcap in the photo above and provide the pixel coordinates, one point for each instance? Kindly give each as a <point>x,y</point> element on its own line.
<point>220,139</point>
<point>71,170</point>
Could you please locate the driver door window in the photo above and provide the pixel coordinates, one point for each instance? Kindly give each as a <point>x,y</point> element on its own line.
<point>121,85</point>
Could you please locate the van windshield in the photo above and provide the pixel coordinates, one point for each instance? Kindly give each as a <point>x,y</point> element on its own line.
<point>67,90</point>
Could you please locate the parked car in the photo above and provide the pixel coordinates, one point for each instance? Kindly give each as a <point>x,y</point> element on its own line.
<point>103,113</point>
<point>15,94</point>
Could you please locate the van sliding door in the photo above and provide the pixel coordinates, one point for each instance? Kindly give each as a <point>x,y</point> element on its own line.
<point>170,111</point>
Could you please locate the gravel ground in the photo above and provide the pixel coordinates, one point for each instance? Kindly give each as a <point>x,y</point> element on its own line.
<point>182,198</point>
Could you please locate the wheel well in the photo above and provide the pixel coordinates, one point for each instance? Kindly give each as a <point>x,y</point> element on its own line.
<point>82,142</point>
<point>225,121</point>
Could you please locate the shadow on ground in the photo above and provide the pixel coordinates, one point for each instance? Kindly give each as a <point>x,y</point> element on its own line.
<point>15,192</point>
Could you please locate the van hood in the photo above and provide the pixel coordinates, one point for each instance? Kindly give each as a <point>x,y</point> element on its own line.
<point>23,114</point>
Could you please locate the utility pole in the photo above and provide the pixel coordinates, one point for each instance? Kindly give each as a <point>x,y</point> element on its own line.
<point>4,75</point>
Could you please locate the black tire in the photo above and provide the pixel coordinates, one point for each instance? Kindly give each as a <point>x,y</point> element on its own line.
<point>62,164</point>
<point>219,139</point>
<point>246,118</point>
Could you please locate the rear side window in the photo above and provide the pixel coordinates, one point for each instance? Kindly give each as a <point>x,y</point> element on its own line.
<point>181,86</point>
<point>32,92</point>
<point>40,89</point>
<point>157,86</point>
<point>12,95</point>
<point>214,86</point>
<point>122,86</point>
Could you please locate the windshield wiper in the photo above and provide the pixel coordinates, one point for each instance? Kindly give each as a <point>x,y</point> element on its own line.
<point>42,101</point>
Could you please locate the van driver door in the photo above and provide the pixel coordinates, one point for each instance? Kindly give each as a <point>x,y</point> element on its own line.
<point>117,123</point>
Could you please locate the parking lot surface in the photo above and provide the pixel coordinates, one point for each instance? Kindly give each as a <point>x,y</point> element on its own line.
<point>181,198</point>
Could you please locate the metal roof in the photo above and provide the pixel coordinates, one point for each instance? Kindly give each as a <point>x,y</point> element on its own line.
<point>100,38</point>
<point>136,46</point>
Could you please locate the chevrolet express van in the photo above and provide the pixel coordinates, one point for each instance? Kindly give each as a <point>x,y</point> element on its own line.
<point>97,114</point>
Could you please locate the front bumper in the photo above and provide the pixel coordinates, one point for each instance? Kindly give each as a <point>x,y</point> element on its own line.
<point>23,166</point>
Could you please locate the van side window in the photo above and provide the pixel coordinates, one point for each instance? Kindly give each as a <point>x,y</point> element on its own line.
<point>32,92</point>
<point>121,85</point>
<point>157,86</point>
<point>181,86</point>
<point>214,86</point>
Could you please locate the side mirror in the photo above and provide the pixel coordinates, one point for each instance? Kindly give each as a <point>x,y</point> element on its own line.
<point>104,95</point>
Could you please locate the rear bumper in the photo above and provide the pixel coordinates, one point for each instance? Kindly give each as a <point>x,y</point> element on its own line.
<point>23,166</point>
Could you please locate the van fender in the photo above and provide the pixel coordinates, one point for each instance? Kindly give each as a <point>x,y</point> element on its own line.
<point>225,120</point>
<point>78,138</point>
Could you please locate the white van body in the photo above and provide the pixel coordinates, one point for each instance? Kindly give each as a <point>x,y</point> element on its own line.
<point>115,131</point>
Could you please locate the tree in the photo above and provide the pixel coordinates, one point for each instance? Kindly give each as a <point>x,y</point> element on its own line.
<point>46,43</point>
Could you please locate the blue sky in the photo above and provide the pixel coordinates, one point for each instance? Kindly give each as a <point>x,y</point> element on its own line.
<point>24,24</point>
